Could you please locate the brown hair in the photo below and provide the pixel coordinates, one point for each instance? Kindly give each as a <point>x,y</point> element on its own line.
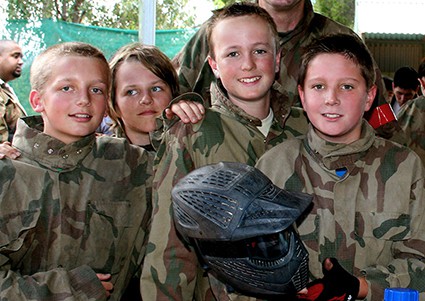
<point>239,9</point>
<point>149,56</point>
<point>350,46</point>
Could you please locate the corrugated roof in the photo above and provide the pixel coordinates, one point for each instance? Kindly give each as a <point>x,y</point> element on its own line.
<point>393,36</point>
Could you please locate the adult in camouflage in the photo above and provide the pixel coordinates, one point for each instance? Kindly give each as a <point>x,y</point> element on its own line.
<point>11,61</point>
<point>369,192</point>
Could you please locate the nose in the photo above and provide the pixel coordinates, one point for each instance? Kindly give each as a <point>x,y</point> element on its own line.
<point>20,61</point>
<point>146,99</point>
<point>248,63</point>
<point>331,98</point>
<point>84,99</point>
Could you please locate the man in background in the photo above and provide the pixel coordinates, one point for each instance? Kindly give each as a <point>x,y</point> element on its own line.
<point>11,61</point>
<point>405,87</point>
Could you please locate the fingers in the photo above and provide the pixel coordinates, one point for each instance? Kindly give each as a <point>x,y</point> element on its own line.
<point>108,286</point>
<point>187,111</point>
<point>7,150</point>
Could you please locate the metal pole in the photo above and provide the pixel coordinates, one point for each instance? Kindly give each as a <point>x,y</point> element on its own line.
<point>147,21</point>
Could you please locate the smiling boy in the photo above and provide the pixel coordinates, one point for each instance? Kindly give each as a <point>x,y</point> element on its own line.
<point>245,120</point>
<point>74,208</point>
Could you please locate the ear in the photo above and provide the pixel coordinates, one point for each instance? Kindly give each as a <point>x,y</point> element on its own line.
<point>278,55</point>
<point>214,67</point>
<point>36,101</point>
<point>370,97</point>
<point>301,93</point>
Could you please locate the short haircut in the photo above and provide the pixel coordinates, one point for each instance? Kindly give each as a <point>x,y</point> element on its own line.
<point>421,69</point>
<point>44,63</point>
<point>406,78</point>
<point>388,82</point>
<point>149,56</point>
<point>350,46</point>
<point>240,9</point>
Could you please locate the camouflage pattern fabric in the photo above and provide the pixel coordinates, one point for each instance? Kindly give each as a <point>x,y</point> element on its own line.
<point>411,119</point>
<point>70,211</point>
<point>10,111</point>
<point>227,133</point>
<point>370,219</point>
<point>196,75</point>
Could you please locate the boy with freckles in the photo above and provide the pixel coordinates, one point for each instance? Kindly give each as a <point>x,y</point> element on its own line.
<point>366,230</point>
<point>244,121</point>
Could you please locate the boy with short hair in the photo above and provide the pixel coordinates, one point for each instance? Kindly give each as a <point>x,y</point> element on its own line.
<point>74,208</point>
<point>245,120</point>
<point>369,192</point>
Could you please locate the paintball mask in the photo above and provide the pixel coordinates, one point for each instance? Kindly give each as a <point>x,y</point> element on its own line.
<point>241,226</point>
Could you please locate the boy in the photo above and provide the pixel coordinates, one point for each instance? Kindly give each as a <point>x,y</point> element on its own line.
<point>369,192</point>
<point>245,120</point>
<point>74,209</point>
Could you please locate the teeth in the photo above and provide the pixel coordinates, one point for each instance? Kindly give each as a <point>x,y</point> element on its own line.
<point>82,115</point>
<point>331,115</point>
<point>250,80</point>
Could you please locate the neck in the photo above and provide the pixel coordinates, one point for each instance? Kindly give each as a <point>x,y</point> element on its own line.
<point>256,108</point>
<point>138,138</point>
<point>286,18</point>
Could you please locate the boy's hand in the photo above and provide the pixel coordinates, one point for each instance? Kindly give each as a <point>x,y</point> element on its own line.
<point>336,285</point>
<point>108,286</point>
<point>187,111</point>
<point>7,150</point>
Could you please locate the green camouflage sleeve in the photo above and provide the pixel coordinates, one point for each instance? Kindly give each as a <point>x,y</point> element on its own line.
<point>411,118</point>
<point>169,271</point>
<point>195,74</point>
<point>4,133</point>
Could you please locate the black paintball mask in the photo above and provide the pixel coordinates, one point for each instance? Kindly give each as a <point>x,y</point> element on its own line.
<point>242,227</point>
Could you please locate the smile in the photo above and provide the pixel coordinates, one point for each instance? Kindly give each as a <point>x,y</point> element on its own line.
<point>250,80</point>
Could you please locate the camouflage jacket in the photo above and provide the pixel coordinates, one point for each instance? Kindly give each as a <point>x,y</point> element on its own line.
<point>371,218</point>
<point>411,119</point>
<point>10,111</point>
<point>226,133</point>
<point>196,75</point>
<point>70,211</point>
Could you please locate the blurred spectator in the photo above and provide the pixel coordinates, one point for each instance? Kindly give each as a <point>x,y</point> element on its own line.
<point>405,87</point>
<point>10,108</point>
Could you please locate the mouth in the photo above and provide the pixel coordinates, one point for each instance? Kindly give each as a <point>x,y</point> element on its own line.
<point>148,113</point>
<point>331,115</point>
<point>249,80</point>
<point>81,116</point>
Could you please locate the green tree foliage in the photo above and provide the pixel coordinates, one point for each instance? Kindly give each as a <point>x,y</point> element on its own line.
<point>122,14</point>
<point>341,11</point>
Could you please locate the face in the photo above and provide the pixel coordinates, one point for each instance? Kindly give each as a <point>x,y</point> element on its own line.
<point>245,58</point>
<point>141,96</point>
<point>335,98</point>
<point>11,62</point>
<point>403,95</point>
<point>279,5</point>
<point>74,99</point>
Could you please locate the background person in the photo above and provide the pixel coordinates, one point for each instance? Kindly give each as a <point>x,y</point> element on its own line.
<point>11,61</point>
